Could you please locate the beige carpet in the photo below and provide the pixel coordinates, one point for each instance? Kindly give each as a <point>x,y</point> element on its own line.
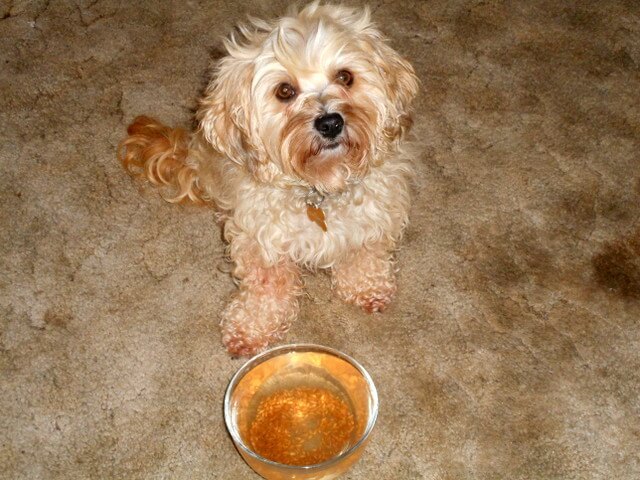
<point>513,348</point>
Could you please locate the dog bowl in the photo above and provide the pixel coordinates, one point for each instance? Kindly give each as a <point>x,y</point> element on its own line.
<point>300,412</point>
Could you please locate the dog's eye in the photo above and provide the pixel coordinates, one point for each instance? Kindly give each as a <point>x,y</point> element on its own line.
<point>344,77</point>
<point>285,92</point>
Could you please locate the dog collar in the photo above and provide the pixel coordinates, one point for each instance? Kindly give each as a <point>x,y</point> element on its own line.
<point>315,213</point>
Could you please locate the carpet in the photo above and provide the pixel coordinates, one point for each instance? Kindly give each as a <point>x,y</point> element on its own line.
<point>512,348</point>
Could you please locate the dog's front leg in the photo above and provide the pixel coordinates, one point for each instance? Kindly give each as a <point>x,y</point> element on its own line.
<point>266,303</point>
<point>366,278</point>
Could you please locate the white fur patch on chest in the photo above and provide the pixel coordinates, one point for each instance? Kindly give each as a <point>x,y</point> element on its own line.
<point>372,211</point>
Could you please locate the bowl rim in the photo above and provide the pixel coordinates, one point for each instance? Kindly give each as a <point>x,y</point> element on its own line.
<point>298,347</point>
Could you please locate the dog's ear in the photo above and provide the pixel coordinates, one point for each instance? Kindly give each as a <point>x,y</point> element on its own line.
<point>227,107</point>
<point>401,88</point>
<point>224,109</point>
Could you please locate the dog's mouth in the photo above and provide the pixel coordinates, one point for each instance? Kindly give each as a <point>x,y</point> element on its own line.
<point>328,164</point>
<point>330,146</point>
<point>327,149</point>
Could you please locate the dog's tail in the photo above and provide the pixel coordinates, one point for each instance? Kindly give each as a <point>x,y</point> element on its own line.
<point>161,154</point>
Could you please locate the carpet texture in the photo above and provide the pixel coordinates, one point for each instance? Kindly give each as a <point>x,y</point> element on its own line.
<point>512,350</point>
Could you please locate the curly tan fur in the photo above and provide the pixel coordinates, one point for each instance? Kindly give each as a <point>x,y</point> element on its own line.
<point>159,153</point>
<point>257,158</point>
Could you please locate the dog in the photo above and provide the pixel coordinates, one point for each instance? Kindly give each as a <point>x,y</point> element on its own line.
<point>298,146</point>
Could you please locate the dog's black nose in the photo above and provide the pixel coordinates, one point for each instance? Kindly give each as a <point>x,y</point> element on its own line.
<point>329,125</point>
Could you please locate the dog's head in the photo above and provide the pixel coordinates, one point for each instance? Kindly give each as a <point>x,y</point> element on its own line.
<point>317,95</point>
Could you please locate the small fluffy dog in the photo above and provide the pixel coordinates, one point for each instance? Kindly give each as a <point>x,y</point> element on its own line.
<point>298,148</point>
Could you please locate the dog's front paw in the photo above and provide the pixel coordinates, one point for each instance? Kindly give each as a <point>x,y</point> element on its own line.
<point>372,299</point>
<point>251,322</point>
<point>376,302</point>
<point>366,279</point>
<point>242,344</point>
